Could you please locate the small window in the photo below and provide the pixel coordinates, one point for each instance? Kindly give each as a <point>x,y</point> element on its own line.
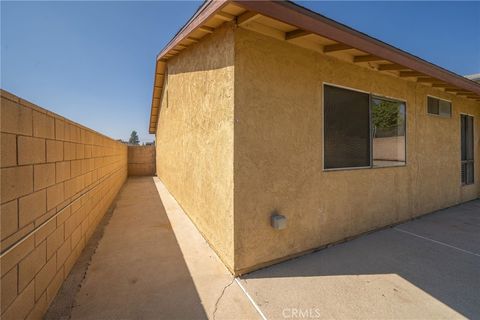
<point>467,152</point>
<point>439,107</point>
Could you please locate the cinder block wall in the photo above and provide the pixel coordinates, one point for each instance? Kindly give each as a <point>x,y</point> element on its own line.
<point>141,160</point>
<point>58,179</point>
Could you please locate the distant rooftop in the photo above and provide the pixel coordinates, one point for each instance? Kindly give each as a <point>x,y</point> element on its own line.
<point>474,77</point>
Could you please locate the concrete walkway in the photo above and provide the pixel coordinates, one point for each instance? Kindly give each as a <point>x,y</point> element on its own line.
<point>428,268</point>
<point>151,263</point>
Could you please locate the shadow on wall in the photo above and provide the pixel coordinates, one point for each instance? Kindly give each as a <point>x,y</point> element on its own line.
<point>216,52</point>
<point>138,270</point>
<point>396,257</point>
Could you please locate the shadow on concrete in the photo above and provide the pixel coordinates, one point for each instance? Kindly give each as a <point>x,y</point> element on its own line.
<point>138,270</point>
<point>447,268</point>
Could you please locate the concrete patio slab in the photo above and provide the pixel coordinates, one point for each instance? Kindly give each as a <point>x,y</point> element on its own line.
<point>151,263</point>
<point>428,268</point>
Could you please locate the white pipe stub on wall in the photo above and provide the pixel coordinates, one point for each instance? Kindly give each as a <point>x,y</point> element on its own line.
<point>278,221</point>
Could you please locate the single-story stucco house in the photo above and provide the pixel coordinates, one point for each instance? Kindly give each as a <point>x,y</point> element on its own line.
<point>280,131</point>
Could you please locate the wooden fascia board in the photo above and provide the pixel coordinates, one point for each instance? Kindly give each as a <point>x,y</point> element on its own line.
<point>309,21</point>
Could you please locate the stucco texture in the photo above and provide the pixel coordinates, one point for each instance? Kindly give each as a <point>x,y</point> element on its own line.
<point>278,161</point>
<point>240,136</point>
<point>195,137</point>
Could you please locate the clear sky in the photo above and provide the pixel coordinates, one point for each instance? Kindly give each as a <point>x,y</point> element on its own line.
<point>93,62</point>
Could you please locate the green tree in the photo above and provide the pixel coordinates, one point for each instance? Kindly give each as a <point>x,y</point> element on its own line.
<point>386,114</point>
<point>134,138</point>
<point>388,118</point>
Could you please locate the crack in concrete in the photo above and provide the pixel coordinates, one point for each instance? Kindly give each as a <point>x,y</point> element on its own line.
<point>220,297</point>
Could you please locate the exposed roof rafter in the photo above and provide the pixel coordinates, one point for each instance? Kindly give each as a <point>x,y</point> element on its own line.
<point>247,17</point>
<point>296,34</point>
<point>391,67</point>
<point>366,58</point>
<point>278,18</point>
<point>336,47</point>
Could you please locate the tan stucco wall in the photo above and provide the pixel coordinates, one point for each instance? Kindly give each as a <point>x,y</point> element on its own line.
<point>279,163</point>
<point>195,137</point>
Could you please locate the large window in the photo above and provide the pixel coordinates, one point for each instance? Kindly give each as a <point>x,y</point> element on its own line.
<point>361,130</point>
<point>467,172</point>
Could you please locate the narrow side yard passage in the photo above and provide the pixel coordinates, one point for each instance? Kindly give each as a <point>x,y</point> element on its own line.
<point>428,268</point>
<point>151,263</point>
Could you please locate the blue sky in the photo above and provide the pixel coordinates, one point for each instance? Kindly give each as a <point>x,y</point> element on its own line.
<point>93,62</point>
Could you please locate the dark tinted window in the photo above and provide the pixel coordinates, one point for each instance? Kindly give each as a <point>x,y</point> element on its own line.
<point>433,107</point>
<point>467,170</point>
<point>439,107</point>
<point>346,128</point>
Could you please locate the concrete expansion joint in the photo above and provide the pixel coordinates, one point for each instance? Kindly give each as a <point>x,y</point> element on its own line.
<point>220,297</point>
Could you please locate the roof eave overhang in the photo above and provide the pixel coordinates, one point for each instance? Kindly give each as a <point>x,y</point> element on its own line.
<point>204,13</point>
<point>308,21</point>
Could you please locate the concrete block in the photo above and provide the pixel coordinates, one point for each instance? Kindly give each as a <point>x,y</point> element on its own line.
<point>50,213</point>
<point>54,150</point>
<point>30,150</point>
<point>44,231</point>
<point>20,308</point>
<point>12,257</point>
<point>9,288</point>
<point>62,171</point>
<point>31,265</point>
<point>9,150</point>
<point>15,118</point>
<point>87,151</point>
<point>63,215</point>
<point>43,125</point>
<point>45,276</point>
<point>63,252</point>
<point>31,207</point>
<point>79,153</point>
<point>54,241</point>
<point>9,218</point>
<point>76,168</point>
<point>55,195</point>
<point>56,283</point>
<point>77,235</point>
<point>69,188</point>
<point>71,223</point>
<point>17,236</point>
<point>44,175</point>
<point>16,182</point>
<point>39,309</point>
<point>59,129</point>
<point>69,150</point>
